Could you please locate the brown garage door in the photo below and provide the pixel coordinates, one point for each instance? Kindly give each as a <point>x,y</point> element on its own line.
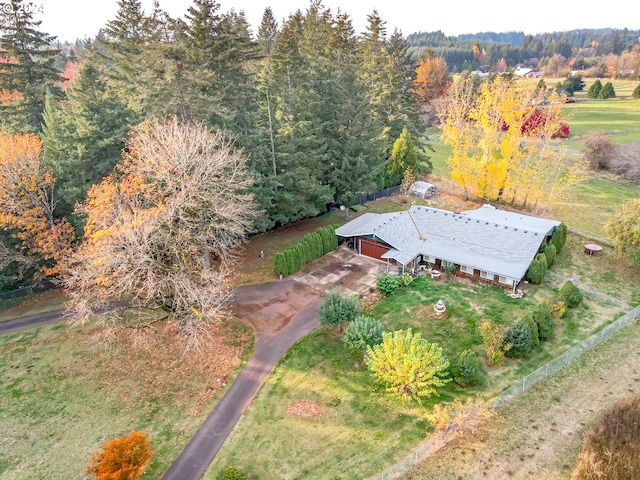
<point>373,249</point>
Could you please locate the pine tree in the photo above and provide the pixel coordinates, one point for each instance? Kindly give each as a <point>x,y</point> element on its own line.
<point>28,72</point>
<point>84,136</point>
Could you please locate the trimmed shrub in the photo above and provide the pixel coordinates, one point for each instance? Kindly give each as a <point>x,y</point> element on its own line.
<point>559,237</point>
<point>405,280</point>
<point>612,448</point>
<point>533,326</point>
<point>558,308</point>
<point>537,270</point>
<point>387,285</point>
<point>232,473</point>
<point>312,246</point>
<point>549,251</point>
<point>292,266</point>
<point>636,92</point>
<point>594,89</point>
<point>337,309</point>
<point>466,369</point>
<point>607,91</point>
<point>520,338</point>
<point>280,264</point>
<point>363,332</point>
<point>542,258</point>
<point>543,319</point>
<point>570,294</point>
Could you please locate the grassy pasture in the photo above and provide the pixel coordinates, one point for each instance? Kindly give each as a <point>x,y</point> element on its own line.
<point>360,431</point>
<point>619,119</point>
<point>62,395</point>
<point>539,435</point>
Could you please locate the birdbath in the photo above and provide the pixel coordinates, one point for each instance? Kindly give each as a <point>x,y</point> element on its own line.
<point>439,307</point>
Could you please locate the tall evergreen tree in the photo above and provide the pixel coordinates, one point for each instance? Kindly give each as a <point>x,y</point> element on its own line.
<point>84,136</point>
<point>267,32</point>
<point>28,72</point>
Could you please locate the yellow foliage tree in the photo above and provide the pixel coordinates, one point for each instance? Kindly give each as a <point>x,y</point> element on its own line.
<point>503,141</point>
<point>624,229</point>
<point>27,208</point>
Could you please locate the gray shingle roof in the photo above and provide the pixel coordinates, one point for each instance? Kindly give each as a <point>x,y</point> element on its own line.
<point>488,240</point>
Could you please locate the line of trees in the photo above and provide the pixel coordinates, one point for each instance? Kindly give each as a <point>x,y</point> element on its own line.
<point>600,52</point>
<point>313,106</point>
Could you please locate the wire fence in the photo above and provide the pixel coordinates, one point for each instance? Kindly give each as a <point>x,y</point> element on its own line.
<point>438,441</point>
<point>28,290</point>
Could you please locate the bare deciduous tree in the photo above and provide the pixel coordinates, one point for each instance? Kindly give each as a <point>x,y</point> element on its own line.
<point>162,231</point>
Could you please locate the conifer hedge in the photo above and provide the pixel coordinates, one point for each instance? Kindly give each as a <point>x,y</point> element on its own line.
<point>312,246</point>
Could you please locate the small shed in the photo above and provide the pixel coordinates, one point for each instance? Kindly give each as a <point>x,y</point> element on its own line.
<point>424,190</point>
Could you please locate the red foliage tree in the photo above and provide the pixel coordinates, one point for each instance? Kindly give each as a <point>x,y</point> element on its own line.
<point>535,122</point>
<point>123,458</point>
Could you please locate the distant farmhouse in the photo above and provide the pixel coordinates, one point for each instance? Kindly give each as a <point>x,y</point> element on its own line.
<point>486,244</point>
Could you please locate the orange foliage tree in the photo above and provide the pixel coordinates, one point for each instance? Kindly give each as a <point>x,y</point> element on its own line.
<point>432,78</point>
<point>123,458</point>
<point>27,207</point>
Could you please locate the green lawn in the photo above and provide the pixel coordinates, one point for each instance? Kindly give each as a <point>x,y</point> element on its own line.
<point>31,304</point>
<point>62,395</point>
<point>360,430</point>
<point>620,119</point>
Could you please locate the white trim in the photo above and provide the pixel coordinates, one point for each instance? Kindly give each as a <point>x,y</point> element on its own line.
<point>487,275</point>
<point>466,269</point>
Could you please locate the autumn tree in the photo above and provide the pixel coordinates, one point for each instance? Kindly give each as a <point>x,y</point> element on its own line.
<point>493,338</point>
<point>408,365</point>
<point>611,448</point>
<point>502,141</point>
<point>28,70</point>
<point>163,230</point>
<point>27,209</point>
<point>624,230</point>
<point>432,78</point>
<point>123,458</point>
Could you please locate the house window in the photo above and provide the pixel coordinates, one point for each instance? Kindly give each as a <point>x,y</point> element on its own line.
<point>465,269</point>
<point>505,280</point>
<point>487,275</point>
<point>446,264</point>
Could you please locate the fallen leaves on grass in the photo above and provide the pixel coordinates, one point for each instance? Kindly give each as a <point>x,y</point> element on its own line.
<point>305,408</point>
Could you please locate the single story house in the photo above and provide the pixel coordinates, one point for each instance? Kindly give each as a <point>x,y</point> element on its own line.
<point>424,189</point>
<point>486,244</point>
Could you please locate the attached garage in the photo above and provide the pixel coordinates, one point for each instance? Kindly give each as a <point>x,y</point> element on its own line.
<point>372,248</point>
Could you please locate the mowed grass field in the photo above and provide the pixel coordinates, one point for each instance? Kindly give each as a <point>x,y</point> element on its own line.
<point>62,394</point>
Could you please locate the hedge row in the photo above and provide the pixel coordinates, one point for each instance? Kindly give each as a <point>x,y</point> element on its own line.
<point>313,245</point>
<point>545,259</point>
